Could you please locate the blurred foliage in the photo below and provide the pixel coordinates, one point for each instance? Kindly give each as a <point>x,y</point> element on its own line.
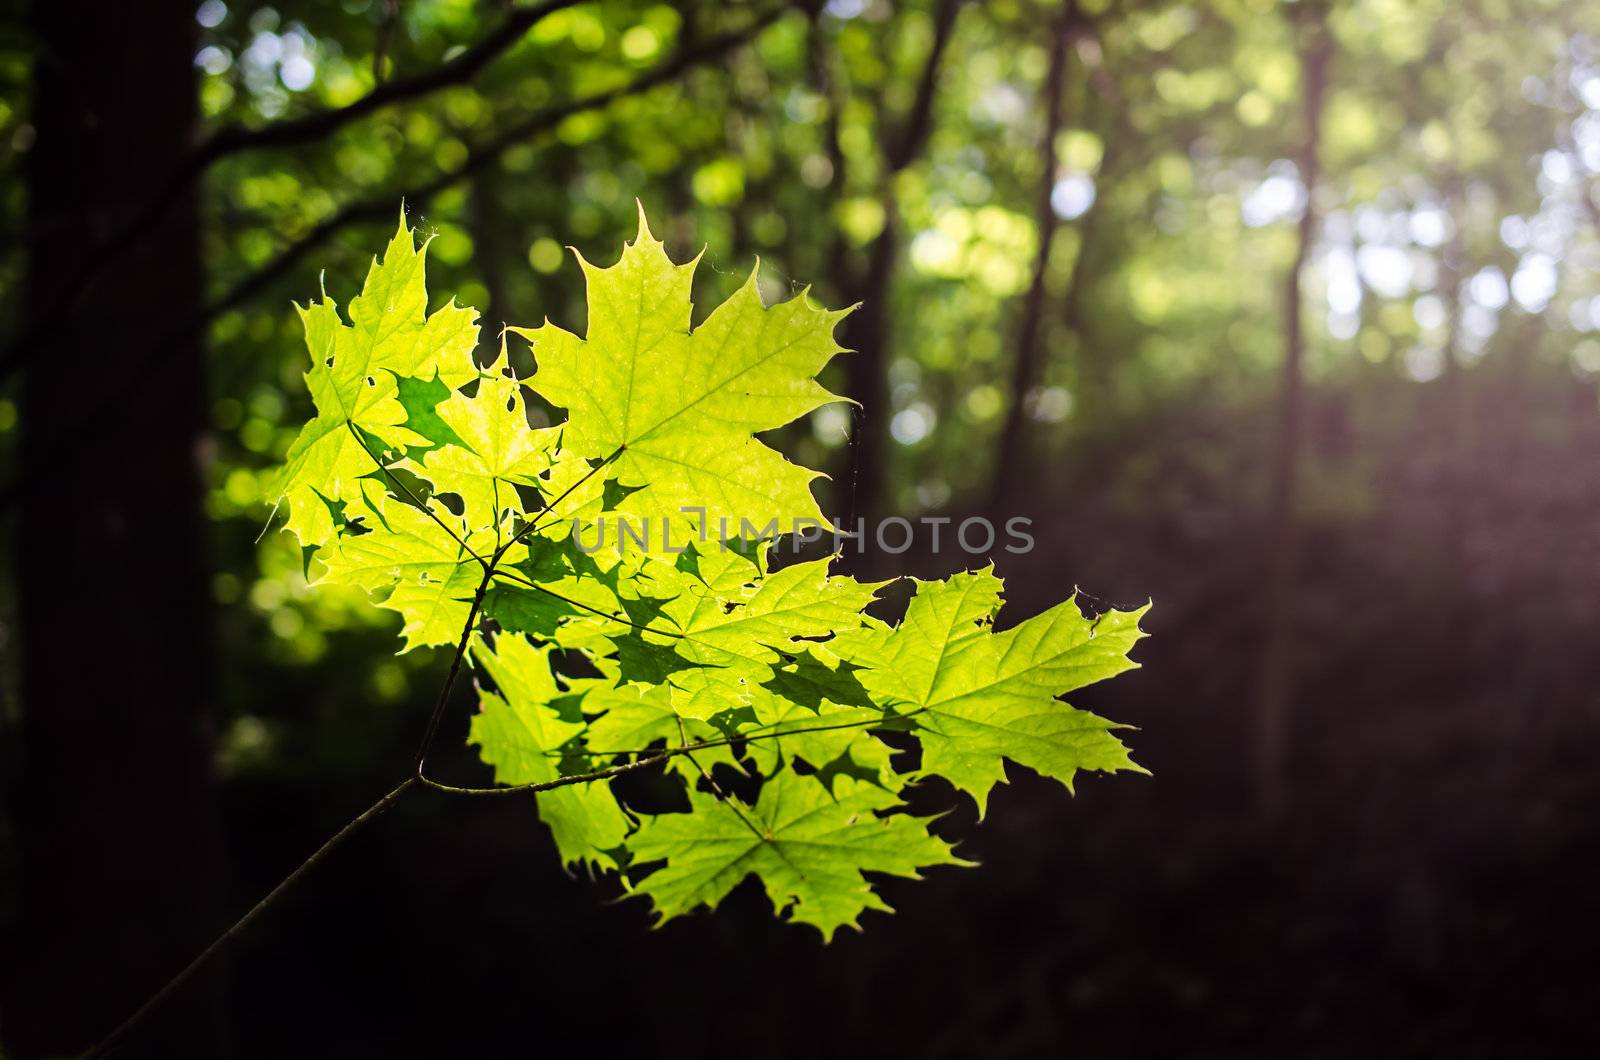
<point>1460,232</point>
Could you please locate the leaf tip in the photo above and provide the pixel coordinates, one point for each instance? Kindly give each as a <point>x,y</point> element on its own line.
<point>644,234</point>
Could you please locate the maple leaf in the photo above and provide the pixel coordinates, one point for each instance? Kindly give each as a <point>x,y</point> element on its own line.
<point>634,717</point>
<point>519,734</point>
<point>493,451</point>
<point>809,848</point>
<point>676,410</point>
<point>980,697</point>
<point>729,626</point>
<point>353,381</point>
<point>414,565</point>
<point>801,600</point>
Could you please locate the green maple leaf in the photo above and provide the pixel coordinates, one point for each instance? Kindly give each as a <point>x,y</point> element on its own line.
<point>802,600</point>
<point>789,731</point>
<point>635,718</point>
<point>495,450</point>
<point>676,409</point>
<point>519,733</point>
<point>730,627</point>
<point>354,368</point>
<point>417,568</point>
<point>980,697</point>
<point>809,848</point>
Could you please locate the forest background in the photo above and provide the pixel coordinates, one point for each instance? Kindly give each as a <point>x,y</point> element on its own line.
<point>1284,316</point>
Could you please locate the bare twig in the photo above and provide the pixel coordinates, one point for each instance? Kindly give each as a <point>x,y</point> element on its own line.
<point>550,785</point>
<point>233,139</point>
<point>655,755</point>
<point>650,758</point>
<point>110,1041</point>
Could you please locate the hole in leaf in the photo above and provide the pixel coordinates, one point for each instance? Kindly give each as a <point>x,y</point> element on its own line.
<point>651,790</point>
<point>529,498</point>
<point>736,783</point>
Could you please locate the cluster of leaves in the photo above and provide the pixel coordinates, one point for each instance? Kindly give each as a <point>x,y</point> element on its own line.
<point>421,480</point>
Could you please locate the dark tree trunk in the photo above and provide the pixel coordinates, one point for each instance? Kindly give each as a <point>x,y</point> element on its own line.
<point>866,335</point>
<point>1029,364</point>
<point>1275,678</point>
<point>867,330</point>
<point>116,829</point>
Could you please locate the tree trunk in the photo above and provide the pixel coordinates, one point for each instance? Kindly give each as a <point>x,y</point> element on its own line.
<point>1028,366</point>
<point>867,330</point>
<point>1282,538</point>
<point>119,844</point>
<point>866,335</point>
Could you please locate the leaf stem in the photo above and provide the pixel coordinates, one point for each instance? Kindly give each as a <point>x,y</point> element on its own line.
<point>419,502</point>
<point>716,789</point>
<point>533,524</point>
<point>655,756</point>
<point>519,579</point>
<point>443,699</point>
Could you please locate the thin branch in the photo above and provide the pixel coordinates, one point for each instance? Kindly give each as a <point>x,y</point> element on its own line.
<point>748,736</point>
<point>550,785</point>
<point>104,1046</point>
<point>110,1041</point>
<point>904,149</point>
<point>652,757</point>
<point>233,139</point>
